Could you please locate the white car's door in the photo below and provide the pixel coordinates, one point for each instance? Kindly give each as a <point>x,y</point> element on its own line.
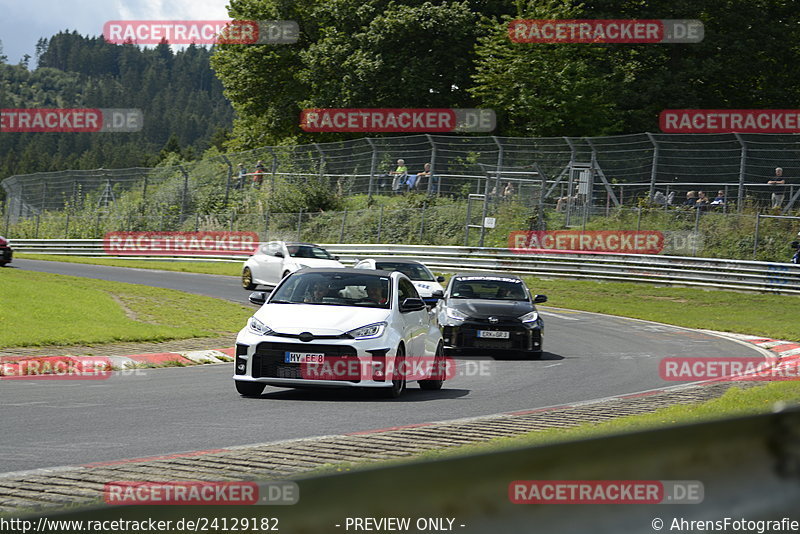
<point>415,323</point>
<point>274,264</point>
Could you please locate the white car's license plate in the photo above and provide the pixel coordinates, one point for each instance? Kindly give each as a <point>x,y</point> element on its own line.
<point>493,334</point>
<point>304,357</point>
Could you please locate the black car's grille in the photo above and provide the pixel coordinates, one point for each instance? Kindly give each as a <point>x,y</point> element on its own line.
<point>269,360</point>
<point>466,335</point>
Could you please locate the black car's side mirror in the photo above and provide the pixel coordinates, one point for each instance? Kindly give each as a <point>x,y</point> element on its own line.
<point>538,299</point>
<point>412,304</point>
<point>279,254</point>
<point>336,258</point>
<point>440,279</point>
<point>438,294</point>
<point>258,297</point>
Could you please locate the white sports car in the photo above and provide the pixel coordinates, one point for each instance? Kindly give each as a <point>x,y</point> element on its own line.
<point>429,287</point>
<point>274,260</point>
<point>340,327</point>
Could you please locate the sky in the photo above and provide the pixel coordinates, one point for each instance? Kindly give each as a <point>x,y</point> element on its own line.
<point>23,22</point>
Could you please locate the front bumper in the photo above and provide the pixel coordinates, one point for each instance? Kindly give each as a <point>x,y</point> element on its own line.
<point>358,363</point>
<point>521,336</point>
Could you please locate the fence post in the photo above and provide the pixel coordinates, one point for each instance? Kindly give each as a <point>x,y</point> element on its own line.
<point>742,168</point>
<point>380,223</point>
<point>421,222</point>
<point>144,192</point>
<point>341,232</point>
<point>274,170</point>
<point>498,168</point>
<point>230,222</point>
<point>755,241</point>
<point>266,226</point>
<point>372,165</point>
<point>654,167</point>
<point>299,225</point>
<point>185,192</point>
<point>228,181</point>
<point>321,160</point>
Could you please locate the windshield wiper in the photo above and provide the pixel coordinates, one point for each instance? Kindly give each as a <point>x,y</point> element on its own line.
<point>282,302</point>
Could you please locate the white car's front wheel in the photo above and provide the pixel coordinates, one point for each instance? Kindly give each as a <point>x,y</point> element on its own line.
<point>247,279</point>
<point>398,384</point>
<point>438,369</point>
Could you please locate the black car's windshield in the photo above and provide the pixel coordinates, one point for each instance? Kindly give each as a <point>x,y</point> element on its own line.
<point>308,251</point>
<point>488,289</point>
<point>414,271</point>
<point>334,289</point>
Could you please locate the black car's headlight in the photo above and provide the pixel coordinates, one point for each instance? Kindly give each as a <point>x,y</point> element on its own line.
<point>530,317</point>
<point>453,317</point>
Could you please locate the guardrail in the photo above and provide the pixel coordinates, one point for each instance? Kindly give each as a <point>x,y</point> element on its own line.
<point>742,275</point>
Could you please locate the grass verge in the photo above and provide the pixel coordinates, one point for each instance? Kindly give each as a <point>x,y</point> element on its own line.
<point>38,309</point>
<point>725,311</point>
<point>203,267</point>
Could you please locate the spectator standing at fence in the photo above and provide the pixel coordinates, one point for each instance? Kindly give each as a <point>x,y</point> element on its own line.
<point>241,176</point>
<point>778,188</point>
<point>702,201</point>
<point>400,174</point>
<point>508,191</point>
<point>426,171</point>
<point>258,176</point>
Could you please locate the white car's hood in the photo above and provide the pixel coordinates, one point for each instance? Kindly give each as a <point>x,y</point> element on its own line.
<point>318,319</point>
<point>426,288</point>
<point>315,262</point>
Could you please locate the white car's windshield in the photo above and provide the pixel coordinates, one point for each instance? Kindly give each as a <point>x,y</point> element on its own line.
<point>489,289</point>
<point>414,271</point>
<point>307,251</point>
<point>334,289</point>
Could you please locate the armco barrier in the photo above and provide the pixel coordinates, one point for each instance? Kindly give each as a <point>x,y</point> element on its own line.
<point>743,275</point>
<point>749,469</point>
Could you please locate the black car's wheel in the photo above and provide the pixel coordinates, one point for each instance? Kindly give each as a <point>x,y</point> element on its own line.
<point>247,279</point>
<point>249,389</point>
<point>439,369</point>
<point>399,383</point>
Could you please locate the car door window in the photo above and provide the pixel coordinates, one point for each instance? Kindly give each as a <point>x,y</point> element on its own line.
<point>273,248</point>
<point>406,290</point>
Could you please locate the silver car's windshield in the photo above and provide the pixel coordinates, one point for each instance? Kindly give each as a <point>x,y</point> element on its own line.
<point>414,271</point>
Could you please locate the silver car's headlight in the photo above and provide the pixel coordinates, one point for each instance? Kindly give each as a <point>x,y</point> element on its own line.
<point>454,314</point>
<point>258,328</point>
<point>530,317</point>
<point>369,331</point>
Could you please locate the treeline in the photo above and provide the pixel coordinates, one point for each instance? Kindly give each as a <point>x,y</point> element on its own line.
<point>435,53</point>
<point>182,101</point>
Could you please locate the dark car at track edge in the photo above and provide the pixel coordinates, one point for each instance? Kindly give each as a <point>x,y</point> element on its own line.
<point>492,314</point>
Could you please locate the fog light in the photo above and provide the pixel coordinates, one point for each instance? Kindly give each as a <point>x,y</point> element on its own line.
<point>241,367</point>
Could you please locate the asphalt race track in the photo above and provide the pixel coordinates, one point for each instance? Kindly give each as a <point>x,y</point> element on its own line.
<point>162,411</point>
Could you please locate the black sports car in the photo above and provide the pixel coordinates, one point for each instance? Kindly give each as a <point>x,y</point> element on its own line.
<point>5,252</point>
<point>490,314</point>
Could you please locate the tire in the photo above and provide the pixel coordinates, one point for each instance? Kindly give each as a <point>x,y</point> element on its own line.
<point>438,362</point>
<point>247,279</point>
<point>249,389</point>
<point>399,385</point>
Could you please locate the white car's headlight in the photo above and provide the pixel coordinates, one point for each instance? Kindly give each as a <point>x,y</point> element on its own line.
<point>259,328</point>
<point>369,331</point>
<point>530,317</point>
